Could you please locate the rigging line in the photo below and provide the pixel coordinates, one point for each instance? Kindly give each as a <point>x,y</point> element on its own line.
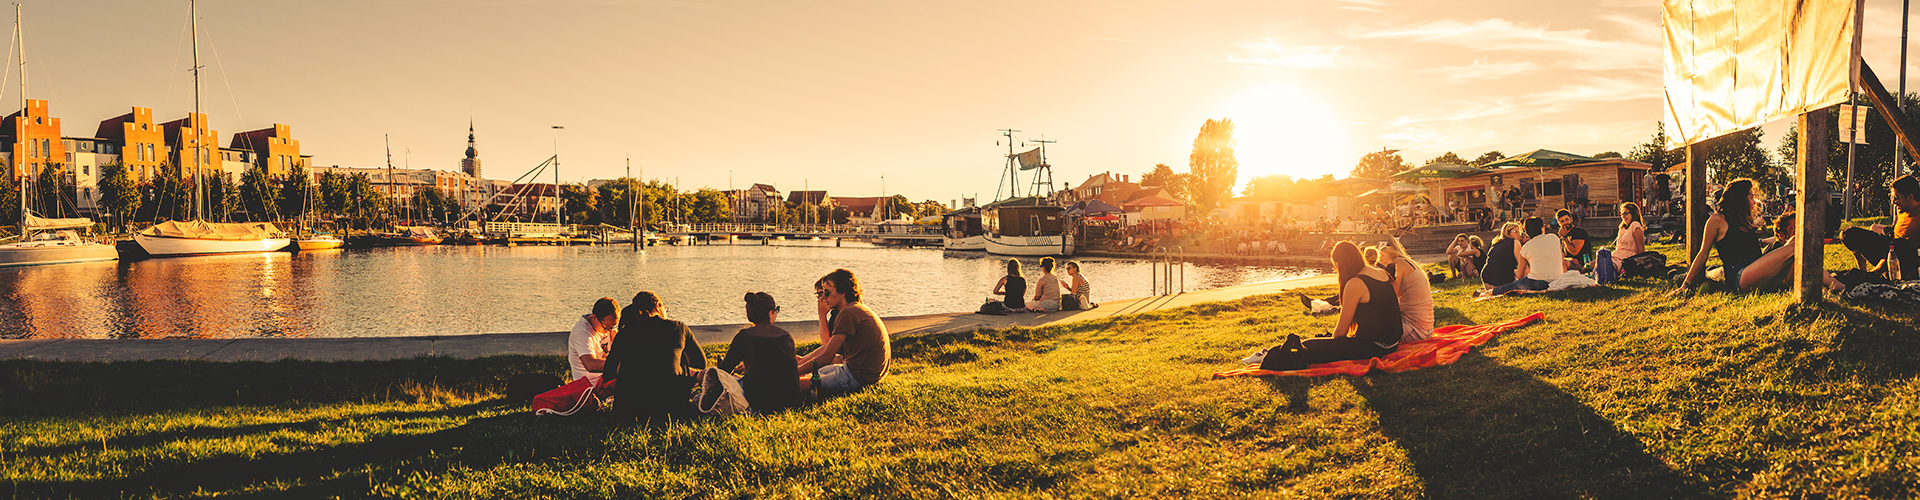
<point>42,72</point>
<point>223,79</point>
<point>185,29</point>
<point>6,82</point>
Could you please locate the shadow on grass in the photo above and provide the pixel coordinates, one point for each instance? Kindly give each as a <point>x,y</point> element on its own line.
<point>1480,429</point>
<point>1871,341</point>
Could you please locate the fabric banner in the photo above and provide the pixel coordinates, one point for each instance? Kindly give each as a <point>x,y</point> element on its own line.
<point>1029,160</point>
<point>1737,64</point>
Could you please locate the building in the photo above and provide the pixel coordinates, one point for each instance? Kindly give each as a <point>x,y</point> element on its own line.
<point>760,203</point>
<point>33,138</point>
<point>273,148</point>
<point>471,164</point>
<point>195,144</point>
<point>1106,187</point>
<point>1155,206</point>
<point>526,202</point>
<point>861,209</point>
<point>85,156</point>
<point>141,143</point>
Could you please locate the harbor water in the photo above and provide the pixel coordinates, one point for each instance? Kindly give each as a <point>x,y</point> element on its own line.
<point>464,290</point>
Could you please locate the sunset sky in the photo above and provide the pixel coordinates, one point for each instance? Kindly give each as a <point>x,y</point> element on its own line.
<point>836,94</point>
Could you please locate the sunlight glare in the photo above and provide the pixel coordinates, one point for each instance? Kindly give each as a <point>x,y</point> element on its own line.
<point>1283,129</point>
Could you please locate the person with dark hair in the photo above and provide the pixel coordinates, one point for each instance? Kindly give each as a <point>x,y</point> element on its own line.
<point>1503,258</point>
<point>1013,286</point>
<point>591,337</point>
<point>1082,296</point>
<point>1632,238</point>
<point>1540,259</point>
<point>654,360</point>
<point>1871,245</point>
<point>763,355</point>
<point>1573,240</point>
<point>1461,255</point>
<point>1735,235</point>
<point>857,351</point>
<point>1663,194</point>
<point>1369,324</point>
<point>1046,291</point>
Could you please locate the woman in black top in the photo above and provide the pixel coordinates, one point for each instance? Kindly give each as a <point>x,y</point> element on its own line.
<point>1735,234</point>
<point>1369,324</point>
<point>1013,286</point>
<point>654,360</point>
<point>765,354</point>
<point>1503,263</point>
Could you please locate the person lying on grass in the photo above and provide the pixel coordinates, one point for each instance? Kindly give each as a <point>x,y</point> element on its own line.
<point>1736,237</point>
<point>855,350</point>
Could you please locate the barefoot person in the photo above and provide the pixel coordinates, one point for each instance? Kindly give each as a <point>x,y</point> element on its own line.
<point>857,350</point>
<point>1461,255</point>
<point>1735,235</point>
<point>1369,324</point>
<point>653,361</point>
<point>591,338</point>
<point>763,356</point>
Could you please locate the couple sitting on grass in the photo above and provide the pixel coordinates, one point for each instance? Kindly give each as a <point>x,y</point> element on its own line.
<point>1046,295</point>
<point>1750,260</point>
<point>653,363</point>
<point>1383,301</point>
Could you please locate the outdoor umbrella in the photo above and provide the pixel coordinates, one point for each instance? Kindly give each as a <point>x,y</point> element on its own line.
<point>1542,159</point>
<point>1101,207</point>
<point>1440,171</point>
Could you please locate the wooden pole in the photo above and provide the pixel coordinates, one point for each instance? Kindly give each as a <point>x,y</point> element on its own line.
<point>1816,129</point>
<point>1696,199</point>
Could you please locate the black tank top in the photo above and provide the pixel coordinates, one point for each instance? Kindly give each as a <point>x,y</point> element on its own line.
<point>1500,265</point>
<point>1016,292</point>
<point>1378,319</point>
<point>1742,245</point>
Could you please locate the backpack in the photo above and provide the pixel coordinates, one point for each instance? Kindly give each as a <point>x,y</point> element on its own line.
<point>1288,356</point>
<point>568,399</point>
<point>994,307</point>
<point>720,394</point>
<point>1643,264</point>
<point>1603,270</point>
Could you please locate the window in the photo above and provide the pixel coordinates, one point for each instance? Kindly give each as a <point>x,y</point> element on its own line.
<point>1550,188</point>
<point>86,170</point>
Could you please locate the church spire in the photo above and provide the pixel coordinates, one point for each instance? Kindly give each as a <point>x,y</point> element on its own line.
<point>471,164</point>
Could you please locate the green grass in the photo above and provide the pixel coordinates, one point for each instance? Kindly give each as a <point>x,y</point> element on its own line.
<point>1621,393</point>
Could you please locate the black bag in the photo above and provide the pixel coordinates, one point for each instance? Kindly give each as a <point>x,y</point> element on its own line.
<point>1289,356</point>
<point>994,307</point>
<point>523,387</point>
<point>1857,277</point>
<point>1643,264</point>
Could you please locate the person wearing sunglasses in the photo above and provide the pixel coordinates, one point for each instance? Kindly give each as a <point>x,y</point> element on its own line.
<point>763,356</point>
<point>854,349</point>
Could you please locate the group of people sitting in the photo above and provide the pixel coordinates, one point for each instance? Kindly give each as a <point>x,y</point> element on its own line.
<point>649,364</point>
<point>1385,298</point>
<point>1047,294</point>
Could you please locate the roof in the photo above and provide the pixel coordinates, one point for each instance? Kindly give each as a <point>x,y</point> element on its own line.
<point>858,203</point>
<point>1155,200</point>
<point>805,197</point>
<point>763,188</point>
<point>1026,201</point>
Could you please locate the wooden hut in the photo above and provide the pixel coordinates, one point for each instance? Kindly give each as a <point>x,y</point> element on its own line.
<point>1609,182</point>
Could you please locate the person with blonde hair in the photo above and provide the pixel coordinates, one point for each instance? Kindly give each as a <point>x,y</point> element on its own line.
<point>1503,258</point>
<point>1414,293</point>
<point>1013,286</point>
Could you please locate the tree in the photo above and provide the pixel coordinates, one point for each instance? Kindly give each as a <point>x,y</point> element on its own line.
<point>617,199</point>
<point>259,194</point>
<point>222,198</point>
<point>9,203</point>
<point>898,206</point>
<point>1488,157</point>
<point>1449,157</point>
<point>1380,165</point>
<point>334,193</point>
<point>709,205</point>
<point>1270,187</point>
<point>295,192</point>
<point>166,196</point>
<point>1163,176</point>
<point>54,192</point>
<point>1213,167</point>
<point>1739,155</point>
<point>118,193</point>
<point>1608,154</point>
<point>1654,151</point>
<point>580,204</point>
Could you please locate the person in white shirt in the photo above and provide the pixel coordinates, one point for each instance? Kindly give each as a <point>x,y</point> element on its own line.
<point>591,338</point>
<point>1540,259</point>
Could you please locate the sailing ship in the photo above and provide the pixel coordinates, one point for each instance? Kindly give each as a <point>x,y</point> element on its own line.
<point>199,236</point>
<point>56,242</point>
<point>1030,225</point>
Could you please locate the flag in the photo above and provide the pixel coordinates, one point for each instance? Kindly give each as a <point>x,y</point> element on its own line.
<point>1029,160</point>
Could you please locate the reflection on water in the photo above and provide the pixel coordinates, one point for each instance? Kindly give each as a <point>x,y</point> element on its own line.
<point>459,290</point>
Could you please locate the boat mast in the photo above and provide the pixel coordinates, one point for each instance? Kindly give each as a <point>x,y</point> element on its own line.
<point>19,176</point>
<point>199,188</point>
<point>1013,175</point>
<point>392,183</point>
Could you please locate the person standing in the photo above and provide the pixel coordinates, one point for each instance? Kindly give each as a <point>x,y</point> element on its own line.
<point>591,338</point>
<point>858,351</point>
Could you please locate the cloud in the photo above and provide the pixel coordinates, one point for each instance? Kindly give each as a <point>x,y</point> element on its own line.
<point>1272,54</point>
<point>1566,98</point>
<point>1362,9</point>
<point>1483,70</point>
<point>1579,49</point>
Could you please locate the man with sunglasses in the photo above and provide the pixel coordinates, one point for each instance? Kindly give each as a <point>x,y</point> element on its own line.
<point>854,348</point>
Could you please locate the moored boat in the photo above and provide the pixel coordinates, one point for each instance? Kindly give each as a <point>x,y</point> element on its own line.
<point>1026,227</point>
<point>57,247</point>
<point>179,238</point>
<point>963,230</point>
<point>319,242</point>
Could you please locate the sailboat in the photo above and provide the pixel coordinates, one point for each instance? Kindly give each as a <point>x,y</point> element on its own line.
<point>56,242</point>
<point>314,241</point>
<point>1031,225</point>
<point>198,236</point>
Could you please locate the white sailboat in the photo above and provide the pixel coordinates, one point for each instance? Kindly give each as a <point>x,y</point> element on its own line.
<point>201,237</point>
<point>56,242</point>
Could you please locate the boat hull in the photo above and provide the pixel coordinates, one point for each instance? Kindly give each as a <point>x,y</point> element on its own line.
<point>1029,246</point>
<point>30,254</point>
<point>975,242</point>
<point>160,246</point>
<point>307,245</point>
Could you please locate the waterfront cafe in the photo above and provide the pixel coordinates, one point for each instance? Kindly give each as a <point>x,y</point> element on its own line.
<point>1547,180</point>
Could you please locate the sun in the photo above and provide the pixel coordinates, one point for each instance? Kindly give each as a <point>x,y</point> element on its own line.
<point>1283,129</point>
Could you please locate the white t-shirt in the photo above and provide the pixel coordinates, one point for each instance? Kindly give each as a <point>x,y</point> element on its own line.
<point>1543,257</point>
<point>584,340</point>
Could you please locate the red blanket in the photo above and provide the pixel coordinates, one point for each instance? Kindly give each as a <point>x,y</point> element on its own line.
<point>1446,345</point>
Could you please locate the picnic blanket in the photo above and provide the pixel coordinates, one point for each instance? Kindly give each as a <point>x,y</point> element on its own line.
<point>1446,345</point>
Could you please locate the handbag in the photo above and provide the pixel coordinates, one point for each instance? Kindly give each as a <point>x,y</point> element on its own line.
<point>720,394</point>
<point>568,399</point>
<point>1288,356</point>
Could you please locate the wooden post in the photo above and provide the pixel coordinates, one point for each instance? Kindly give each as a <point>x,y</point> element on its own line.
<point>1816,129</point>
<point>1696,197</point>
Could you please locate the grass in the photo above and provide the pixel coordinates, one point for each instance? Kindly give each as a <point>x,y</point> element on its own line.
<point>1621,393</point>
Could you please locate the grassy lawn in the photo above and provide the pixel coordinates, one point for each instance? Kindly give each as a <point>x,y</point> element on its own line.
<point>1621,393</point>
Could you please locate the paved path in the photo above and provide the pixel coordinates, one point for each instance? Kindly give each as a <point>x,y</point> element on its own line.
<point>552,343</point>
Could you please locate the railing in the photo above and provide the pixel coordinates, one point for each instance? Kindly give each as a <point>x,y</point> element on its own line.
<point>826,229</point>
<point>528,229</point>
<point>1162,267</point>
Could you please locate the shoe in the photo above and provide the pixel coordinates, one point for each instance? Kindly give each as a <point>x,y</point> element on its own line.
<point>1304,301</point>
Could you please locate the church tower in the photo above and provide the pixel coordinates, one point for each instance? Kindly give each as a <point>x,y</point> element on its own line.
<point>471,164</point>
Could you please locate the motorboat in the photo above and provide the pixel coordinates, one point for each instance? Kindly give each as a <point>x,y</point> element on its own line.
<point>1026,227</point>
<point>963,230</point>
<point>57,243</point>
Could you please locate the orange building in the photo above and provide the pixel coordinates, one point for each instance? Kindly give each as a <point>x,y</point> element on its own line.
<point>273,147</point>
<point>195,145</point>
<point>33,140</point>
<point>142,144</point>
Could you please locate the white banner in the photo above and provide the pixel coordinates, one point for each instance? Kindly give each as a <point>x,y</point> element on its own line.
<point>1737,64</point>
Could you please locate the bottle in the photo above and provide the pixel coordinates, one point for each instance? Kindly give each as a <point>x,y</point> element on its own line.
<point>1893,266</point>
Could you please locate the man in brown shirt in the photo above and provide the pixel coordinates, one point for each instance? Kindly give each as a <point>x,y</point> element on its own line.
<point>855,349</point>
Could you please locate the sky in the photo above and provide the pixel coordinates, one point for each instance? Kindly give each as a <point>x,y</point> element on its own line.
<point>864,98</point>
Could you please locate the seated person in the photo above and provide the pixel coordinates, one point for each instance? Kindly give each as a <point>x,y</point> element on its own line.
<point>1780,248</point>
<point>1013,286</point>
<point>592,335</point>
<point>1573,241</point>
<point>1632,239</point>
<point>1479,254</point>
<point>1870,245</point>
<point>1736,237</point>
<point>1542,259</point>
<point>1503,258</point>
<point>1046,291</point>
<point>1082,296</point>
<point>653,361</point>
<point>1369,324</point>
<point>1460,257</point>
<point>763,355</point>
<point>1411,289</point>
<point>857,351</point>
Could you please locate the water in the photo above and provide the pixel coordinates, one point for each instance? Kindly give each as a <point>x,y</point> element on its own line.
<point>461,290</point>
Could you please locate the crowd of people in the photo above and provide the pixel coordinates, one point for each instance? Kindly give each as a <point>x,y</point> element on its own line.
<point>649,364</point>
<point>1048,295</point>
